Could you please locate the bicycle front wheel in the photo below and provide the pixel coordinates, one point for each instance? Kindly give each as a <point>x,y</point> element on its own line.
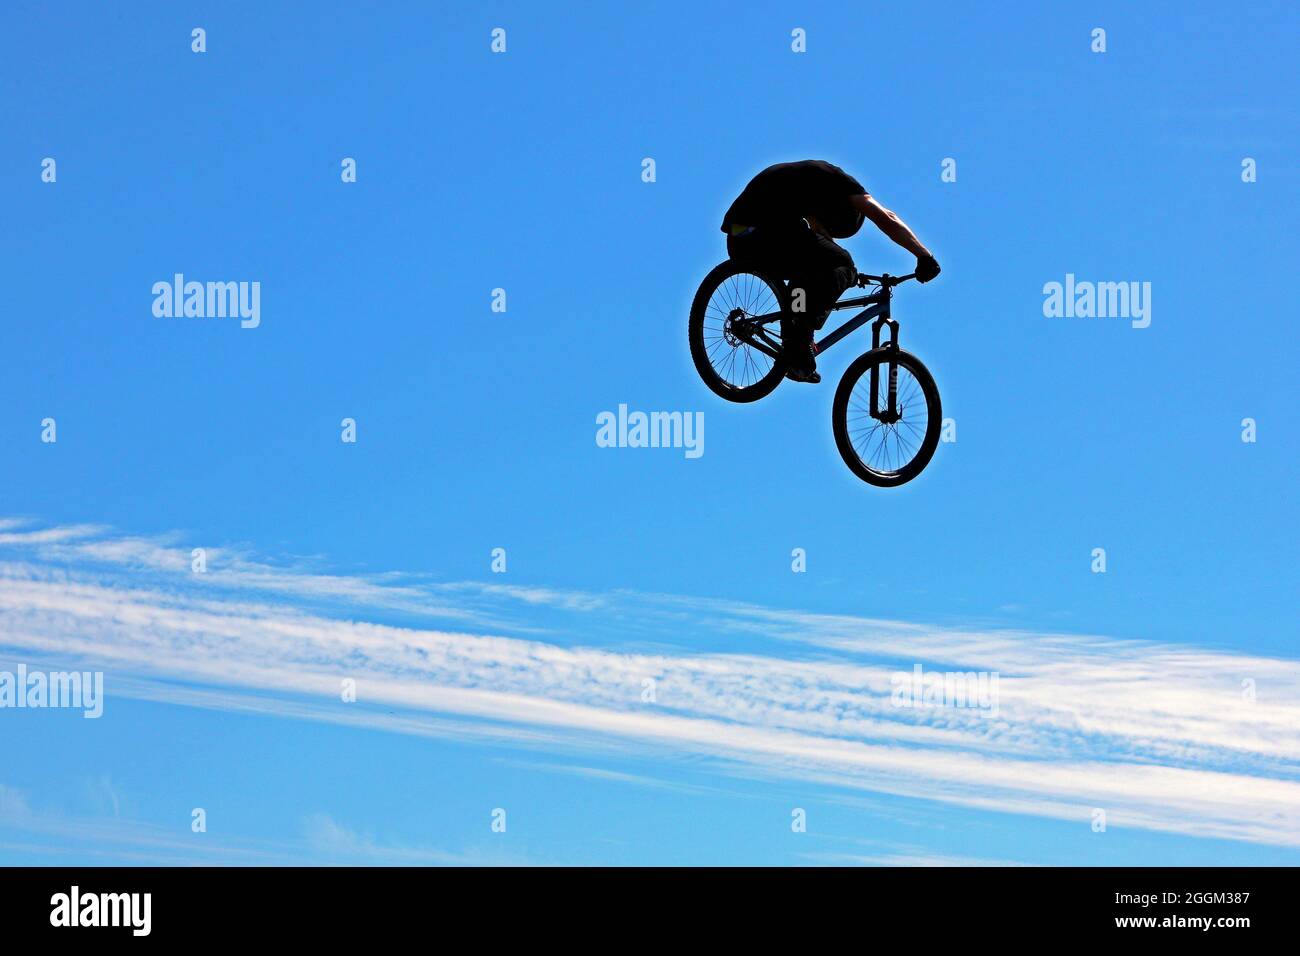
<point>887,417</point>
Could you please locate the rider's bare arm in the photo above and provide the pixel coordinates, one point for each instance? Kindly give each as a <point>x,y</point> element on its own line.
<point>888,222</point>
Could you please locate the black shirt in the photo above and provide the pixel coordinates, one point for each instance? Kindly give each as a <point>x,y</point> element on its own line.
<point>786,193</point>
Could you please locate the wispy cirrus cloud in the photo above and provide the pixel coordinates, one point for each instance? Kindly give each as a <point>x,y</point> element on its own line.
<point>906,857</point>
<point>332,842</point>
<point>114,840</point>
<point>1160,737</point>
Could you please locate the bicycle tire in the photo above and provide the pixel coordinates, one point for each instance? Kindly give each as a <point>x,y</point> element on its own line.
<point>701,346</point>
<point>849,451</point>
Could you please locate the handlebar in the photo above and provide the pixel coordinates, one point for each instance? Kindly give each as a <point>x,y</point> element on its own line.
<point>885,280</point>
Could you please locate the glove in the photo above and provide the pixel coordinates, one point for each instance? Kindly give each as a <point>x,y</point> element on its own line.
<point>927,267</point>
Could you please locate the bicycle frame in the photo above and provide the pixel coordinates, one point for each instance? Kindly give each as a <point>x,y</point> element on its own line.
<point>876,307</point>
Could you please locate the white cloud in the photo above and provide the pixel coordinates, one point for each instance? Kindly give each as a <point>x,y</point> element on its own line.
<point>13,805</point>
<point>326,838</point>
<point>1159,736</point>
<point>907,857</point>
<point>116,840</point>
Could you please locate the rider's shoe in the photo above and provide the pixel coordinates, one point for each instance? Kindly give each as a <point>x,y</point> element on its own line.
<point>803,368</point>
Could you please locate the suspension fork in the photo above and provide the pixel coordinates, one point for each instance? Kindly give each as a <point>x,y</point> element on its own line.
<point>890,413</point>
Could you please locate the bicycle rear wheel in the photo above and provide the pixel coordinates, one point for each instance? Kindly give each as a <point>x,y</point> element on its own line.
<point>887,443</point>
<point>737,358</point>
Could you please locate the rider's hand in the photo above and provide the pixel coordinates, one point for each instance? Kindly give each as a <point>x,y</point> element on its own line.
<point>927,267</point>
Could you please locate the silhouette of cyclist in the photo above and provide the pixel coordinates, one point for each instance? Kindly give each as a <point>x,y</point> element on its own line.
<point>785,223</point>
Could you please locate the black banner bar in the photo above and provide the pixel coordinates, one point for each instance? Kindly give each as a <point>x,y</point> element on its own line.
<point>333,905</point>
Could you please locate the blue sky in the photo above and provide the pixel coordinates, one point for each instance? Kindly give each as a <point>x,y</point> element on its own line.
<point>476,430</point>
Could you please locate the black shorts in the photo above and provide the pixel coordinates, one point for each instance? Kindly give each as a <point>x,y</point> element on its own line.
<point>810,261</point>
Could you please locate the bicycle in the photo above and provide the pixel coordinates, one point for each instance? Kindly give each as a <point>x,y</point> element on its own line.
<point>735,339</point>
